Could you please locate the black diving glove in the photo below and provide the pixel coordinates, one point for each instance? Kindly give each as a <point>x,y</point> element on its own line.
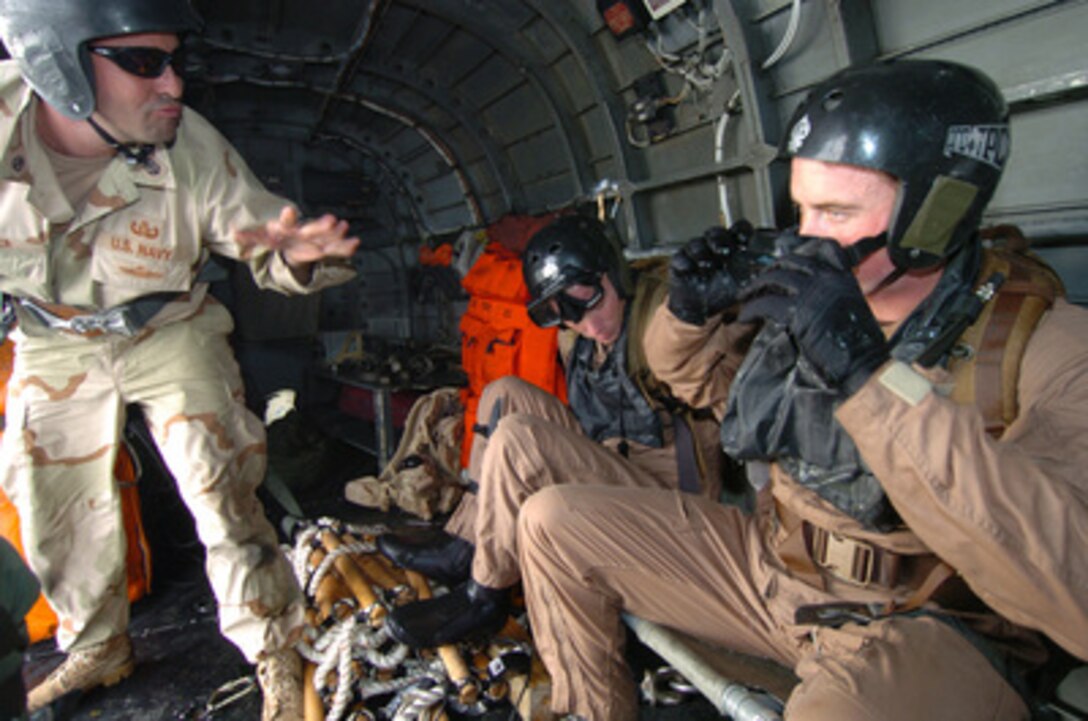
<point>701,280</point>
<point>813,293</point>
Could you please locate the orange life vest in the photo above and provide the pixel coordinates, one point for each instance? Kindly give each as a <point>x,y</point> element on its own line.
<point>497,337</point>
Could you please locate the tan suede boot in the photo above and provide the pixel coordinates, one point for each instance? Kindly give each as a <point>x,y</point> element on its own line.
<point>103,664</point>
<point>280,676</point>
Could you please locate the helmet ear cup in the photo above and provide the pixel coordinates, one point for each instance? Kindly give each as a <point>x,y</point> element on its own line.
<point>925,242</point>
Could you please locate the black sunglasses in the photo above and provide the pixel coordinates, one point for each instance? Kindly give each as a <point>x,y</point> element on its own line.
<point>142,62</point>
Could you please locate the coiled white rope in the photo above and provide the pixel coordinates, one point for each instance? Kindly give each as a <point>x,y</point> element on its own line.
<point>337,643</point>
<point>344,671</point>
<point>421,704</point>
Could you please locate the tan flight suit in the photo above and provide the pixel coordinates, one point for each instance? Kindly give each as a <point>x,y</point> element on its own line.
<point>140,231</point>
<point>536,442</point>
<point>1010,515</point>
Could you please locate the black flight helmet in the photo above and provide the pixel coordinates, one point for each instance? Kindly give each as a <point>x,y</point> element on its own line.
<point>49,39</point>
<point>572,250</point>
<point>940,128</point>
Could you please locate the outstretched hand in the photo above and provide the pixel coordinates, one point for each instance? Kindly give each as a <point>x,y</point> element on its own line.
<point>301,244</point>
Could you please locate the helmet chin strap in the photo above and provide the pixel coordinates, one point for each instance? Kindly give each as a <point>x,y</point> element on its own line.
<point>865,247</point>
<point>862,249</point>
<point>133,153</point>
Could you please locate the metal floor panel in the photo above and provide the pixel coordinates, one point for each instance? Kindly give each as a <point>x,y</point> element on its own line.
<point>182,661</point>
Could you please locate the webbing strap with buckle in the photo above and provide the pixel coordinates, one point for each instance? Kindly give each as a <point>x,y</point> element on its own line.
<point>125,320</point>
<point>851,559</point>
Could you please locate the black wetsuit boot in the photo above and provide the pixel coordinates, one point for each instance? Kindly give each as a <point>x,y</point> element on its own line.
<point>440,556</point>
<point>468,611</point>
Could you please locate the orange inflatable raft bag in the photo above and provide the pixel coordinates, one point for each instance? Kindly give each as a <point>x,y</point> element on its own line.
<point>498,338</point>
<point>41,620</point>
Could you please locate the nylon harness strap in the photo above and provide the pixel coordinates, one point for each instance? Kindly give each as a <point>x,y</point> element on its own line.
<point>651,288</point>
<point>810,551</point>
<point>996,342</point>
<point>687,465</point>
<point>1016,314</point>
<point>127,319</point>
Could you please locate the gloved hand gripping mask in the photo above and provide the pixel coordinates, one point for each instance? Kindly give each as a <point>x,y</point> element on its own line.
<point>814,295</point>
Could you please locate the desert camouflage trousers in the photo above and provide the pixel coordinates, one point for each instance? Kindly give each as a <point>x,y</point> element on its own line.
<point>65,412</point>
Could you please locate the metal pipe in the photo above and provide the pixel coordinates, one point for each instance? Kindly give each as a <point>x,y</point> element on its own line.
<point>787,38</point>
<point>728,697</point>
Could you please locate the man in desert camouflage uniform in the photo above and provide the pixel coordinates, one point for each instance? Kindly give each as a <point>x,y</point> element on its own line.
<point>113,196</point>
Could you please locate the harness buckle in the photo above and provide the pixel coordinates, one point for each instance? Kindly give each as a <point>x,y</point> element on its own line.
<point>847,558</point>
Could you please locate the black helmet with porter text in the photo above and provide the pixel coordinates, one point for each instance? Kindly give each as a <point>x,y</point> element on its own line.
<point>940,128</point>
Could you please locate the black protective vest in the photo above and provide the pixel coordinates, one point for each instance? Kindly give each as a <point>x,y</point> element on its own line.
<point>605,400</point>
<point>781,410</point>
